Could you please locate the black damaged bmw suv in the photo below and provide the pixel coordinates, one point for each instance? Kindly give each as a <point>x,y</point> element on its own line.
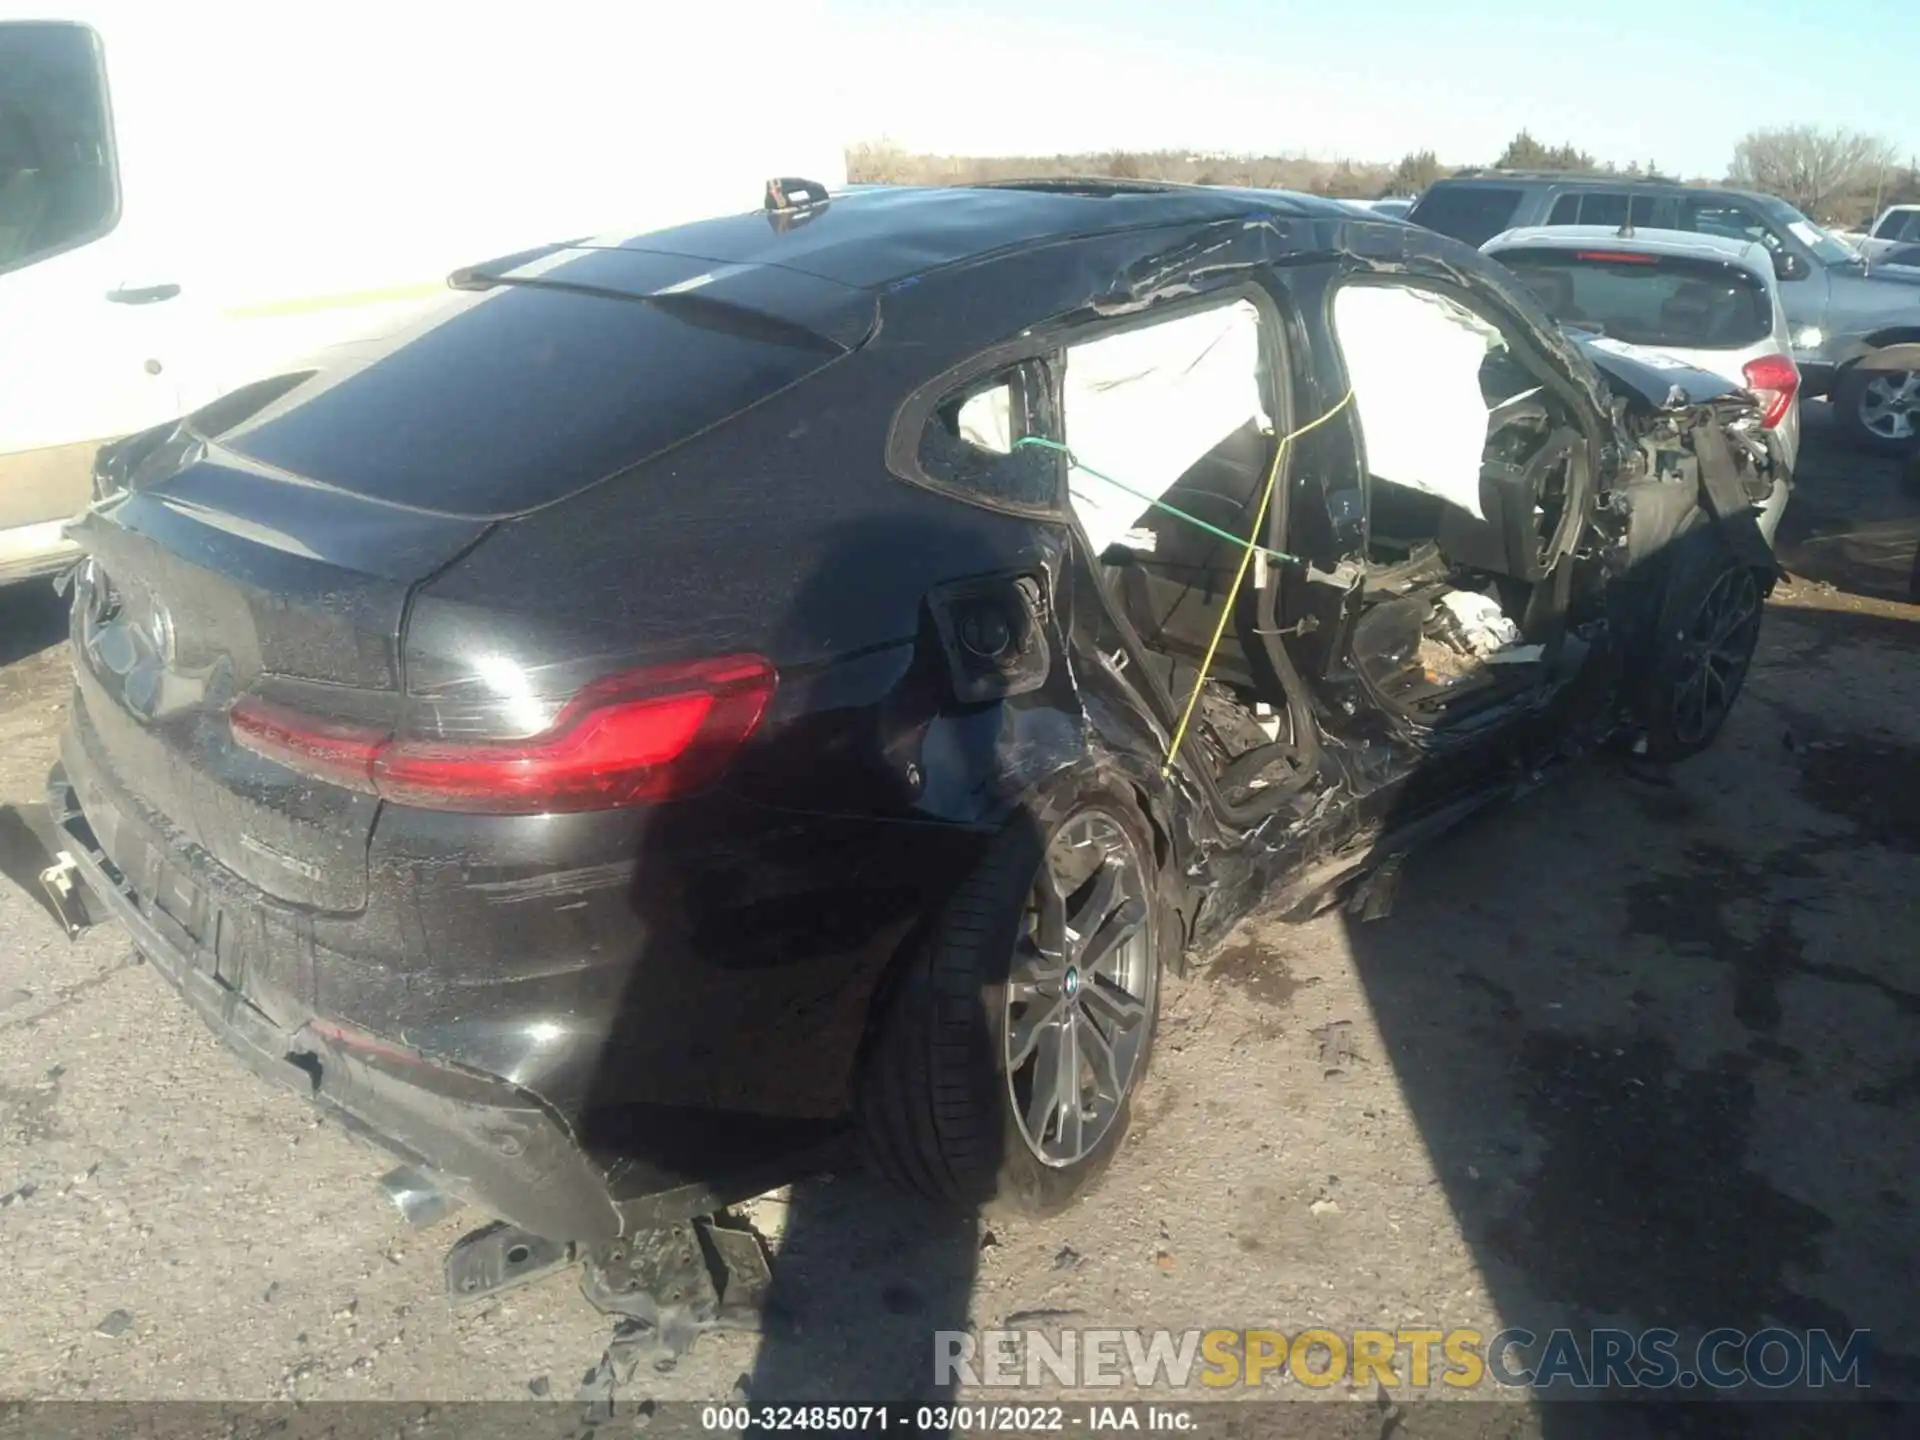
<point>700,695</point>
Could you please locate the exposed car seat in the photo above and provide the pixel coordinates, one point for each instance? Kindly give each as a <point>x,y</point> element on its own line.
<point>1172,593</point>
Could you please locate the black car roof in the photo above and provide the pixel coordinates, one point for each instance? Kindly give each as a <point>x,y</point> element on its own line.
<point>869,238</point>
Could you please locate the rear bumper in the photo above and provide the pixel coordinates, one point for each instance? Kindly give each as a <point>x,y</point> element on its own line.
<point>481,1137</point>
<point>1769,511</point>
<point>1816,378</point>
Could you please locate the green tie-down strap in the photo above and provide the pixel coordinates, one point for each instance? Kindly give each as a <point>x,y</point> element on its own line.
<point>1158,504</point>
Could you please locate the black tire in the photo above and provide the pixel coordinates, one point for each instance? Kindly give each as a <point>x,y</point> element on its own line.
<point>1705,586</point>
<point>1851,393</point>
<point>934,1101</point>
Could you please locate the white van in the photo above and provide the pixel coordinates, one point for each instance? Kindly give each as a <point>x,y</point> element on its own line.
<point>195,192</point>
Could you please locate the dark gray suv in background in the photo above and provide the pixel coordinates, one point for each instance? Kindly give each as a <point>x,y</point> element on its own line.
<point>1840,309</point>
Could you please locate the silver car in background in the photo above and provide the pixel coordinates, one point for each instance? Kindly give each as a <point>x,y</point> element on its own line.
<point>1895,237</point>
<point>1708,301</point>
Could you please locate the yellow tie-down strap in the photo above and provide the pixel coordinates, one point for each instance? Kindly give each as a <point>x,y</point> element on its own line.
<point>1246,558</point>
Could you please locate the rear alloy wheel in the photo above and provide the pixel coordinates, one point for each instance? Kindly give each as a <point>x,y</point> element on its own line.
<point>1011,1048</point>
<point>1708,633</point>
<point>1880,409</point>
<point>1081,991</point>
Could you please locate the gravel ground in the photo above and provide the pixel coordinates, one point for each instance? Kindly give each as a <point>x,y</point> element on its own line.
<point>1633,1050</point>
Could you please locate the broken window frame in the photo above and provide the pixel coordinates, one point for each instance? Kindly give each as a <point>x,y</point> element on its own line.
<point>1038,415</point>
<point>1044,350</point>
<point>1138,482</point>
<point>1276,360</point>
<point>1546,368</point>
<point>1279,321</point>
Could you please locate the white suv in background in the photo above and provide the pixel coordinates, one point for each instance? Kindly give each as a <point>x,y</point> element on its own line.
<point>1895,237</point>
<point>1705,300</point>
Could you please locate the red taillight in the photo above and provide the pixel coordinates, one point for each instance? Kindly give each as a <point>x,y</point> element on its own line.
<point>1775,379</point>
<point>1615,257</point>
<point>343,754</point>
<point>629,740</point>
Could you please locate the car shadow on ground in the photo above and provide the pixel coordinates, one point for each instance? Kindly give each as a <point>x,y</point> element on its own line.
<point>1854,519</point>
<point>859,1316</point>
<point>26,850</point>
<point>33,617</point>
<point>1660,1085</point>
<point>1619,1033</point>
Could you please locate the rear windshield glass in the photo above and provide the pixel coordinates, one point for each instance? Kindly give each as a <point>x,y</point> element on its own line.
<point>1473,213</point>
<point>513,399</point>
<point>1646,299</point>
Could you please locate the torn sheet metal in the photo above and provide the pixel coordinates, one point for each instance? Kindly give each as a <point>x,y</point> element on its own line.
<point>1372,898</point>
<point>1732,510</point>
<point>500,1257</point>
<point>1653,359</point>
<point>1649,377</point>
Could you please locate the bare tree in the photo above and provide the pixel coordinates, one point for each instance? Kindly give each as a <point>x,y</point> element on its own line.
<point>1902,185</point>
<point>1806,165</point>
<point>876,162</point>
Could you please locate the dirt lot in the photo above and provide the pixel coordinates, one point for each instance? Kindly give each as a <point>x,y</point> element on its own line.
<point>1636,1050</point>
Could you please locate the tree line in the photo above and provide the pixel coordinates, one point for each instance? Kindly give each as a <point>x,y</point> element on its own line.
<point>1834,176</point>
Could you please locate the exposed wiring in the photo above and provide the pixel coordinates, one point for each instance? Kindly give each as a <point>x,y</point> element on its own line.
<point>1247,548</point>
<point>1233,590</point>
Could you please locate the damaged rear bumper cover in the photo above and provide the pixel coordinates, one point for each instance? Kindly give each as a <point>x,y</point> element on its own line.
<point>483,1138</point>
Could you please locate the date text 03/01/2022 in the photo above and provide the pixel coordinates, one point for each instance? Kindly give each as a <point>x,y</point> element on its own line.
<point>948,1419</point>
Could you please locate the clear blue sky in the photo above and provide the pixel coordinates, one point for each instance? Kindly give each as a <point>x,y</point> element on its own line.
<point>1675,81</point>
